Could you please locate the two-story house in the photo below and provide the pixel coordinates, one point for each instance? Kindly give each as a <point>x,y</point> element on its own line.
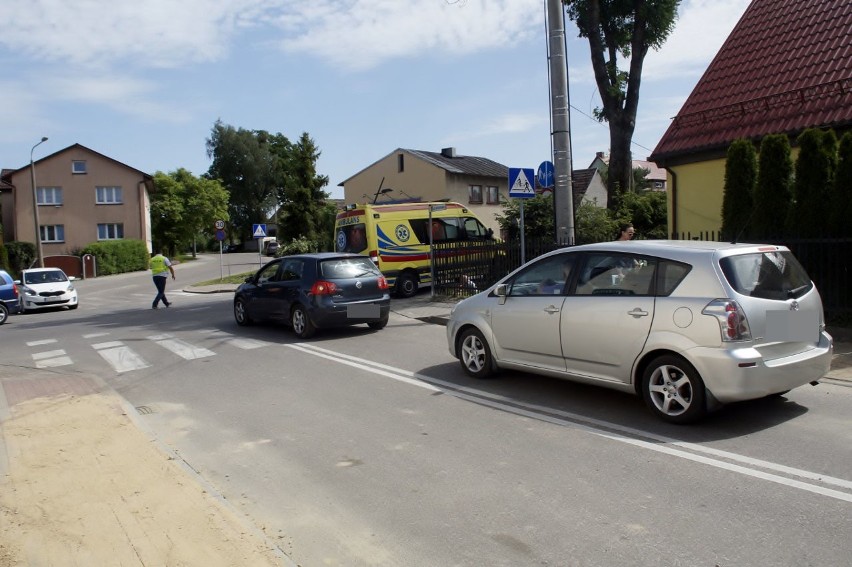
<point>83,196</point>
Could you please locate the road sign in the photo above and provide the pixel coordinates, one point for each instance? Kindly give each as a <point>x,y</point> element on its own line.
<point>220,235</point>
<point>521,183</point>
<point>545,174</point>
<point>258,230</point>
<point>220,224</point>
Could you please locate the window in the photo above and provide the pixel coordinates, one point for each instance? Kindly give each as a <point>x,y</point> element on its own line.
<point>49,196</point>
<point>550,276</point>
<point>78,166</point>
<point>400,163</point>
<point>492,195</point>
<point>110,231</point>
<point>616,274</point>
<point>474,193</point>
<point>52,232</point>
<point>108,195</point>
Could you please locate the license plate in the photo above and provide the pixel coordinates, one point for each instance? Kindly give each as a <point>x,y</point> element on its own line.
<point>792,326</point>
<point>363,311</point>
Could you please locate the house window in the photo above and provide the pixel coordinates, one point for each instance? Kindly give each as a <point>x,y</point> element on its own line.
<point>400,163</point>
<point>108,195</point>
<point>474,193</point>
<point>52,232</point>
<point>78,166</point>
<point>658,184</point>
<point>49,196</point>
<point>492,195</point>
<point>110,231</point>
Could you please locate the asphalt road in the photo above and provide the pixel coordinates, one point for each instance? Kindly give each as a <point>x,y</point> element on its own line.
<point>373,448</point>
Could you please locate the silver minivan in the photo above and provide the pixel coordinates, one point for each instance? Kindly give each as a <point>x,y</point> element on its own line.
<point>687,325</point>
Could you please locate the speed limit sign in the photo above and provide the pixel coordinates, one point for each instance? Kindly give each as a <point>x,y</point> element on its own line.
<point>220,224</point>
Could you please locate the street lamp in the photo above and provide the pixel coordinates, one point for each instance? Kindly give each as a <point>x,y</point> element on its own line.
<point>40,256</point>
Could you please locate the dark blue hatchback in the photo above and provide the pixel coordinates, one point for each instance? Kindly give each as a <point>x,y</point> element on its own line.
<point>10,298</point>
<point>315,291</point>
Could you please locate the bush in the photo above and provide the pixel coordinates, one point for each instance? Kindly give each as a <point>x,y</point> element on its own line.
<point>299,245</point>
<point>21,255</point>
<point>119,256</point>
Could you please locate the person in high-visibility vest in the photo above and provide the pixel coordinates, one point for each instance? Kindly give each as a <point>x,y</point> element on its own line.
<point>160,269</point>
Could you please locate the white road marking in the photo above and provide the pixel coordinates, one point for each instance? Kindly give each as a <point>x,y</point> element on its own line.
<point>660,444</point>
<point>51,358</point>
<point>48,354</point>
<point>248,344</point>
<point>181,348</point>
<point>94,335</point>
<point>43,342</point>
<point>120,357</point>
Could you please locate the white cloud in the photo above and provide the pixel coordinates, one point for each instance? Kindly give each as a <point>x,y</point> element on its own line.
<point>511,123</point>
<point>700,31</point>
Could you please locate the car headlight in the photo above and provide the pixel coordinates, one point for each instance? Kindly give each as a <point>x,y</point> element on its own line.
<point>28,290</point>
<point>70,287</point>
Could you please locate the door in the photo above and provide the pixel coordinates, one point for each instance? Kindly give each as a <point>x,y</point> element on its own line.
<point>606,320</point>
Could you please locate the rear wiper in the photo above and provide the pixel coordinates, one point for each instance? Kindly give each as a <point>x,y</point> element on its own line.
<point>791,293</point>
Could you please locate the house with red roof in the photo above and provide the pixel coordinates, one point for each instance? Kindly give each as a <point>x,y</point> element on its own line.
<point>786,67</point>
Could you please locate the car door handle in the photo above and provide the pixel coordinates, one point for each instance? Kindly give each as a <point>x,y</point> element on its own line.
<point>637,312</point>
<point>551,309</point>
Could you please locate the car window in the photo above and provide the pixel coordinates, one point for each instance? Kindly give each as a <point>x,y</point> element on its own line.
<point>352,238</point>
<point>612,273</point>
<point>267,273</point>
<point>342,268</point>
<point>768,275</point>
<point>671,273</point>
<point>549,276</point>
<point>291,270</point>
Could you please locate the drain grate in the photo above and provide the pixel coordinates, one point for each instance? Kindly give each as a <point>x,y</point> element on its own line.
<point>144,410</point>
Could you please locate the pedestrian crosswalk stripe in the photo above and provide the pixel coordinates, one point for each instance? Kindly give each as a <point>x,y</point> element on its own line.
<point>39,343</point>
<point>47,354</point>
<point>181,348</point>
<point>120,357</point>
<point>94,335</point>
<point>247,344</point>
<point>51,358</point>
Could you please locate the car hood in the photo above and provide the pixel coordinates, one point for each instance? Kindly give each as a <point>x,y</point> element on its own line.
<point>49,286</point>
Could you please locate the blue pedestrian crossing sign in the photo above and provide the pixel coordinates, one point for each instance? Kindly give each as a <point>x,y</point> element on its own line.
<point>258,230</point>
<point>521,183</point>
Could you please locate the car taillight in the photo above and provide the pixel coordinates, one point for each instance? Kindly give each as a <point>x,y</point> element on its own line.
<point>732,320</point>
<point>383,283</point>
<point>323,287</point>
<point>15,290</point>
<point>374,256</point>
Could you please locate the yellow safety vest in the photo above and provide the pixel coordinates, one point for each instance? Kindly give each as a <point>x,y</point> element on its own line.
<point>158,264</point>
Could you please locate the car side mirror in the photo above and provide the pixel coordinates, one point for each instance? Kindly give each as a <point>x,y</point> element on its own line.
<point>249,279</point>
<point>501,291</point>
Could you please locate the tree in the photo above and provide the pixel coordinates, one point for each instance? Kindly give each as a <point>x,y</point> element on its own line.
<point>737,198</point>
<point>814,176</point>
<point>841,195</point>
<point>593,224</point>
<point>773,193</point>
<point>183,207</point>
<point>252,165</point>
<point>303,197</point>
<point>621,29</point>
<point>647,211</point>
<point>538,217</point>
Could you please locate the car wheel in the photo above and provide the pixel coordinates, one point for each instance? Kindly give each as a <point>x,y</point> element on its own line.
<point>301,323</point>
<point>380,324</point>
<point>673,390</point>
<point>406,285</point>
<point>241,312</point>
<point>474,354</point>
<point>4,313</point>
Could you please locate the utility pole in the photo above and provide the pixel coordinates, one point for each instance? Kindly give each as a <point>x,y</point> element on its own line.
<point>560,119</point>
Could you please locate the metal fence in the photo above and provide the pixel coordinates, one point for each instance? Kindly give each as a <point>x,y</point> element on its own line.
<point>461,269</point>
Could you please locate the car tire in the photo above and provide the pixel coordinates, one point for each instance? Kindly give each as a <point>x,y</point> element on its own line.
<point>380,324</point>
<point>241,313</point>
<point>4,313</point>
<point>673,390</point>
<point>406,285</point>
<point>301,323</point>
<point>474,354</point>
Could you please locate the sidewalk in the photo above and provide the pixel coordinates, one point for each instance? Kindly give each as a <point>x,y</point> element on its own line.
<point>424,308</point>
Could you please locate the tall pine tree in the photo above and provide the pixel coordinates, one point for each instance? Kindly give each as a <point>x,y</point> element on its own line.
<point>738,197</point>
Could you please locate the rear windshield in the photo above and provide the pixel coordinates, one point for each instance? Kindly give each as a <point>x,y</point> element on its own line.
<point>342,268</point>
<point>768,275</point>
<point>351,238</point>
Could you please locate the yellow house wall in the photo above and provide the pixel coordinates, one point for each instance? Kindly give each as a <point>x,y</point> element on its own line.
<point>700,188</point>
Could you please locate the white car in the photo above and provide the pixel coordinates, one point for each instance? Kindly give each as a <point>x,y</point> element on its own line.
<point>41,288</point>
<point>686,325</point>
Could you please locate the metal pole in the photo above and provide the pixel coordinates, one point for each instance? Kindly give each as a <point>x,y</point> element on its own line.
<point>39,254</point>
<point>431,256</point>
<point>521,228</point>
<point>563,194</point>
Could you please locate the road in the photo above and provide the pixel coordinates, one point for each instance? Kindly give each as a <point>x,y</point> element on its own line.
<point>373,448</point>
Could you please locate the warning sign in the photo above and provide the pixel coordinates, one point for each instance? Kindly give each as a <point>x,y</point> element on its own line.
<point>521,183</point>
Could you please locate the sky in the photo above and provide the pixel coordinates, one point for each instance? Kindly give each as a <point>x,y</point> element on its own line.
<point>143,82</point>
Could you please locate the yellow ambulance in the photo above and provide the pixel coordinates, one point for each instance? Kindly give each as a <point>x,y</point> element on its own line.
<point>396,237</point>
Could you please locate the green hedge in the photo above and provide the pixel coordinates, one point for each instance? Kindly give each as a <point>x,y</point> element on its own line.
<point>20,256</point>
<point>119,256</point>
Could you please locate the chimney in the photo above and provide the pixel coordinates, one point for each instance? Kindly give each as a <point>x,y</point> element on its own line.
<point>448,152</point>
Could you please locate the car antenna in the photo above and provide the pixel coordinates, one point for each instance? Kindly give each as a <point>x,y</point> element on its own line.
<point>379,190</point>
